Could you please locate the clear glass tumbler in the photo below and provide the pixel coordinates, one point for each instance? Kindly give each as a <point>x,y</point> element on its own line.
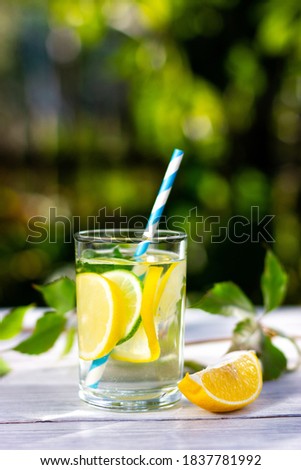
<point>130,318</point>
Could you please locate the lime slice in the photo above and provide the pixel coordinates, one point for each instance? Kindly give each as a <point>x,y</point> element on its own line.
<point>144,345</point>
<point>98,313</point>
<point>170,291</point>
<point>130,287</point>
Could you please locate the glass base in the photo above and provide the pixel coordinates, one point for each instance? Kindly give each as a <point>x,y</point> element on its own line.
<point>133,401</point>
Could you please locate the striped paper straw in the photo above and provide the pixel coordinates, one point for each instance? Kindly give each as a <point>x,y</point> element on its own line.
<point>160,201</point>
<point>98,365</point>
<point>95,372</point>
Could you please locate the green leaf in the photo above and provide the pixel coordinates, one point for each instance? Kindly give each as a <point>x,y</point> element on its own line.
<point>227,299</point>
<point>247,334</point>
<point>273,282</point>
<point>59,294</point>
<point>83,267</point>
<point>276,333</point>
<point>11,324</point>
<point>69,340</point>
<point>46,332</point>
<point>4,367</point>
<point>193,366</point>
<point>273,360</point>
<point>117,253</point>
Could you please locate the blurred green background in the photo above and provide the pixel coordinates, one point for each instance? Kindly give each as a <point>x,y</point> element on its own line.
<point>94,96</point>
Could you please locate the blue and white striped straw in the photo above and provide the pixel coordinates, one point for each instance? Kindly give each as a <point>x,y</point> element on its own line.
<point>98,365</point>
<point>160,201</point>
<point>95,372</point>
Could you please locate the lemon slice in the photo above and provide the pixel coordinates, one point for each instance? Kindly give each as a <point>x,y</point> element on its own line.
<point>148,308</point>
<point>135,349</point>
<point>234,382</point>
<point>144,345</point>
<point>170,291</point>
<point>131,290</point>
<point>98,313</point>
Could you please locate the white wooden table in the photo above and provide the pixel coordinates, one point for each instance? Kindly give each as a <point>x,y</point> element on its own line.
<point>40,408</point>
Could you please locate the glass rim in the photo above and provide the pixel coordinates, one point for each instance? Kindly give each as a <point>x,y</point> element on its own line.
<point>127,236</point>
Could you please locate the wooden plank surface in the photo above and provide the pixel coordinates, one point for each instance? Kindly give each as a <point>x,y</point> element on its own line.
<point>52,395</point>
<point>256,434</point>
<point>40,408</point>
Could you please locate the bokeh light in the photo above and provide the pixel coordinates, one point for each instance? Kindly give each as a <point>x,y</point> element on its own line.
<point>96,94</point>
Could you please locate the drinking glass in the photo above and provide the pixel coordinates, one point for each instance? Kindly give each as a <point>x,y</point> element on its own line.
<point>130,313</point>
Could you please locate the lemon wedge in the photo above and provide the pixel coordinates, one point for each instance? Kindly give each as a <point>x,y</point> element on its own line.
<point>232,383</point>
